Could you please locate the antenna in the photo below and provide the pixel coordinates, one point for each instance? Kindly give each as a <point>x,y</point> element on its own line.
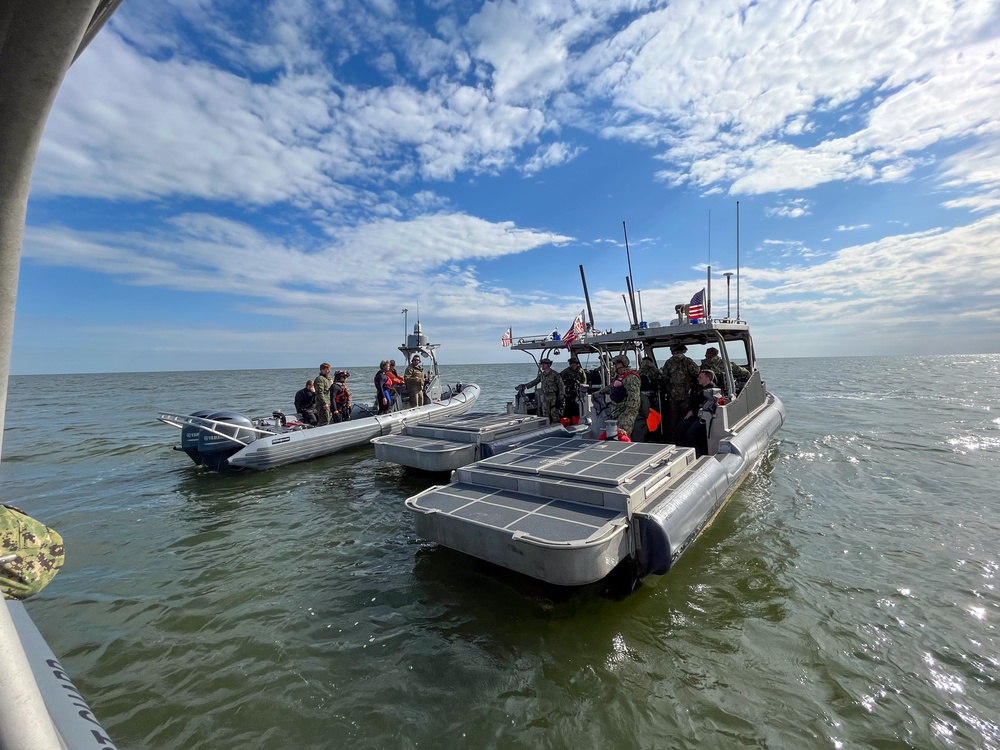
<point>586,296</point>
<point>708,301</point>
<point>639,295</point>
<point>628,256</point>
<point>737,260</point>
<point>729,276</point>
<point>406,328</point>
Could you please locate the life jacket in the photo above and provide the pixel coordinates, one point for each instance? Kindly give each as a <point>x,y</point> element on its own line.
<point>340,393</point>
<point>618,386</point>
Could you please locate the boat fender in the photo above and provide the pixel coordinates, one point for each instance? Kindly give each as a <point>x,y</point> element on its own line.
<point>652,551</point>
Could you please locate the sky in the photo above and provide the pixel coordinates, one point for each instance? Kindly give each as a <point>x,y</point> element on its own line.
<point>228,184</point>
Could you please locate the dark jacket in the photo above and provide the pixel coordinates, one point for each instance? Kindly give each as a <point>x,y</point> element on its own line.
<point>304,399</point>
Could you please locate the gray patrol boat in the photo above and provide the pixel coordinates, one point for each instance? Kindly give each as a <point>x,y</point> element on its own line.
<point>568,509</point>
<point>229,441</point>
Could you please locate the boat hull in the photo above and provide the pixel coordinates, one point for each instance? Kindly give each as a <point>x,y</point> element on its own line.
<point>568,511</point>
<point>270,450</point>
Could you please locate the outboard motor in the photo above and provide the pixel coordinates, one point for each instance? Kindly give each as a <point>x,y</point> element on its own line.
<point>189,437</point>
<point>215,449</point>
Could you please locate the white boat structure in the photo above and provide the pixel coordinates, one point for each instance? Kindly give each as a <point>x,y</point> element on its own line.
<point>568,509</point>
<point>40,709</point>
<point>226,441</point>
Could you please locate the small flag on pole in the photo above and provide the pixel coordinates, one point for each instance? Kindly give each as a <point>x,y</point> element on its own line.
<point>507,336</point>
<point>696,310</point>
<point>575,329</point>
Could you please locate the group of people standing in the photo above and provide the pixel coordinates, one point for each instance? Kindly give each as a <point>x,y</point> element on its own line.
<point>677,390</point>
<point>387,382</point>
<point>325,399</point>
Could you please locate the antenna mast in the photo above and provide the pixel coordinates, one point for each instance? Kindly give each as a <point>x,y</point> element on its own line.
<point>737,260</point>
<point>628,256</point>
<point>586,296</point>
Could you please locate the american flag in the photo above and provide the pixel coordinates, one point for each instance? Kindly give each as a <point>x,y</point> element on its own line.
<point>575,329</point>
<point>506,338</point>
<point>696,310</point>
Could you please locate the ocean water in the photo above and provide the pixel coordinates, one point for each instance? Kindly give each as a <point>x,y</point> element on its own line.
<point>846,598</point>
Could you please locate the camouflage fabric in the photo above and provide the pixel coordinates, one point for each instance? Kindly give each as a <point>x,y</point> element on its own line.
<point>650,376</point>
<point>323,413</point>
<point>413,376</point>
<point>716,365</point>
<point>30,554</point>
<point>553,393</point>
<point>680,376</point>
<point>626,412</point>
<point>573,378</point>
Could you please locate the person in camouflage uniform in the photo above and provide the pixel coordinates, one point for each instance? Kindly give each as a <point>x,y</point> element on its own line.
<point>714,363</point>
<point>649,374</point>
<point>553,390</point>
<point>30,554</point>
<point>680,376</point>
<point>323,383</point>
<point>626,400</point>
<point>573,377</point>
<point>414,379</point>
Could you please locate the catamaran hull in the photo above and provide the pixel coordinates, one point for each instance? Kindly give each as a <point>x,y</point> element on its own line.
<point>665,529</point>
<point>531,513</point>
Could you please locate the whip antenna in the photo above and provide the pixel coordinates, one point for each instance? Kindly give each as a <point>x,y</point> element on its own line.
<point>628,257</point>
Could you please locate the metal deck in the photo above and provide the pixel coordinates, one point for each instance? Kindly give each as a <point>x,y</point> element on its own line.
<point>556,509</point>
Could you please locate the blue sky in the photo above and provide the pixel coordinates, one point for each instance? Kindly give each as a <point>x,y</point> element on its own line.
<point>227,185</point>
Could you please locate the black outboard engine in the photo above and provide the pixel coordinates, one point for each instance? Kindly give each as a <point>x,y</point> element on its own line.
<point>189,437</point>
<point>216,449</point>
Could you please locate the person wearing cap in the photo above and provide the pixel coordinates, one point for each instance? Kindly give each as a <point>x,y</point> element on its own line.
<point>573,377</point>
<point>322,384</point>
<point>680,377</point>
<point>413,376</point>
<point>340,396</point>
<point>553,390</point>
<point>714,363</point>
<point>626,400</point>
<point>305,403</point>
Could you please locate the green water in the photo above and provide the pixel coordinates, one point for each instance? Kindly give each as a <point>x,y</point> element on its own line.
<point>845,598</point>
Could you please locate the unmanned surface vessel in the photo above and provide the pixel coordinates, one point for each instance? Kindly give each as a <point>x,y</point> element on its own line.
<point>568,509</point>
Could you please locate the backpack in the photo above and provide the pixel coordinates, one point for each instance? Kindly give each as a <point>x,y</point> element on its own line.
<point>30,554</point>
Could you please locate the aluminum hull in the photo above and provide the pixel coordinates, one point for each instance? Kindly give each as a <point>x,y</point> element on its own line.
<point>276,448</point>
<point>568,511</point>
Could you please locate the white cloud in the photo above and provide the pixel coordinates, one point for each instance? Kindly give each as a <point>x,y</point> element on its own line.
<point>369,263</point>
<point>550,155</point>
<point>790,209</point>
